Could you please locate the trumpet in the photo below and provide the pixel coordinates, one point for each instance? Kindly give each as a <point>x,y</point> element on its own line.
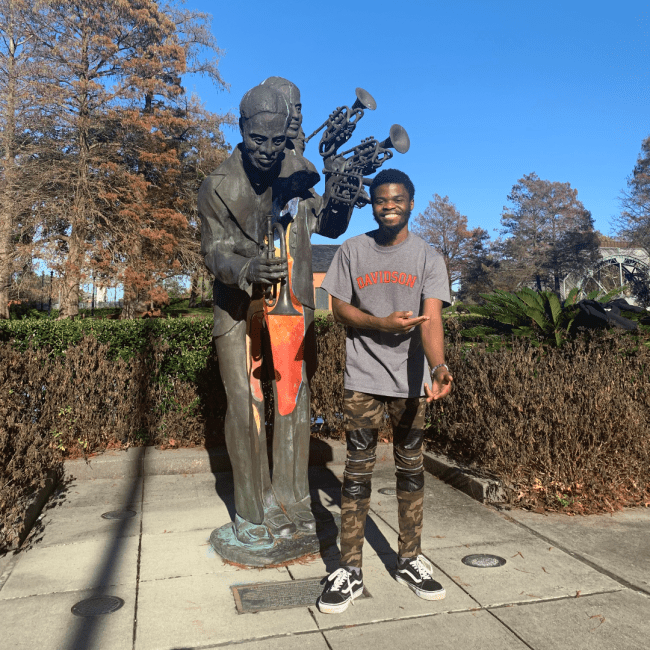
<point>342,122</point>
<point>366,158</point>
<point>278,301</point>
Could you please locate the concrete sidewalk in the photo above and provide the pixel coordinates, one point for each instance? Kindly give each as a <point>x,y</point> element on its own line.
<point>567,583</point>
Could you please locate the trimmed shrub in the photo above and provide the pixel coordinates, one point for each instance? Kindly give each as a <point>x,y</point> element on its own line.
<point>327,383</point>
<point>25,446</point>
<point>564,428</point>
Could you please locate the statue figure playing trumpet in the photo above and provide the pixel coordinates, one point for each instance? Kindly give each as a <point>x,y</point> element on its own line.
<point>264,301</point>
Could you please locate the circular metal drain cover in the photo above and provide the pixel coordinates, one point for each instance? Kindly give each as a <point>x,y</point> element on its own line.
<point>97,606</point>
<point>119,514</point>
<point>482,561</point>
<point>391,492</point>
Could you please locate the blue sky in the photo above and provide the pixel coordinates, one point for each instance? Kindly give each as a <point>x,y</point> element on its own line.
<point>488,91</point>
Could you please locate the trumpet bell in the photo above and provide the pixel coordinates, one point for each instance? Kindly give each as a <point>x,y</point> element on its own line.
<point>345,119</point>
<point>364,100</point>
<point>398,139</point>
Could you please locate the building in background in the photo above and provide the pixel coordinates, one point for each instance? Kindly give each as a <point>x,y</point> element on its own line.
<point>321,258</point>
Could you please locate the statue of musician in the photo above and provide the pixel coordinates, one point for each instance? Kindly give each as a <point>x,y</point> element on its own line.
<point>261,178</point>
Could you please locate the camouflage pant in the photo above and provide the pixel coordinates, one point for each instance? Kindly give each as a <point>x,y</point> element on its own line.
<point>363,416</point>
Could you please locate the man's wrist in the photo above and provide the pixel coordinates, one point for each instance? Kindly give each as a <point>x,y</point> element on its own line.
<point>440,365</point>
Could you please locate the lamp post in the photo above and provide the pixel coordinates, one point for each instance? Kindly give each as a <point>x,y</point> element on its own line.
<point>49,302</point>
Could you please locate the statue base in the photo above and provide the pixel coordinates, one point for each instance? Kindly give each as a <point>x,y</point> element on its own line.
<point>283,549</point>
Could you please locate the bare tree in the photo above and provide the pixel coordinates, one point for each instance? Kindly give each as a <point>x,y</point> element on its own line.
<point>104,176</point>
<point>445,229</point>
<point>20,65</point>
<point>550,233</point>
<point>106,55</point>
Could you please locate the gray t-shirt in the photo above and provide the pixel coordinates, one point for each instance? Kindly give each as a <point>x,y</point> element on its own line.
<point>380,280</point>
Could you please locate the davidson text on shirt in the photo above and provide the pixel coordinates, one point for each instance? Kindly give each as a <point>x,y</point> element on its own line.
<point>386,277</point>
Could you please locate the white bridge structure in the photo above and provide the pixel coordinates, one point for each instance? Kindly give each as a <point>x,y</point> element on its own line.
<point>618,267</point>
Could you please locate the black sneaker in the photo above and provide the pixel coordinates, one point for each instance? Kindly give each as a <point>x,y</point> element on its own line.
<point>342,587</point>
<point>415,573</point>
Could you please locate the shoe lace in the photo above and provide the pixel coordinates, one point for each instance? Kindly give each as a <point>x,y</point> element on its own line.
<point>338,579</point>
<point>423,567</point>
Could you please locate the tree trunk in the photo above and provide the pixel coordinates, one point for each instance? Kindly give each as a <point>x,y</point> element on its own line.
<point>7,208</point>
<point>72,276</point>
<point>134,306</point>
<point>81,202</point>
<point>5,259</point>
<point>193,290</point>
<point>6,241</point>
<point>134,297</point>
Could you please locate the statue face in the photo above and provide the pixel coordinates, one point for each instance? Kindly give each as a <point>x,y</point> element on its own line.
<point>264,139</point>
<point>292,95</point>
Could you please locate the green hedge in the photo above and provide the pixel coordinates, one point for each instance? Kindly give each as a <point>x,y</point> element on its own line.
<point>188,340</point>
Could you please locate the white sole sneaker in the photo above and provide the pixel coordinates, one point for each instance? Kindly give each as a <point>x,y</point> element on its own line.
<point>325,608</point>
<point>426,595</point>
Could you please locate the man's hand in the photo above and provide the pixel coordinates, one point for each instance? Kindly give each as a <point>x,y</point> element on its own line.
<point>400,322</point>
<point>440,385</point>
<point>267,271</point>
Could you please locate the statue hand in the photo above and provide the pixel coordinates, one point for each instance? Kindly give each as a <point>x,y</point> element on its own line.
<point>302,180</point>
<point>267,271</point>
<point>297,184</point>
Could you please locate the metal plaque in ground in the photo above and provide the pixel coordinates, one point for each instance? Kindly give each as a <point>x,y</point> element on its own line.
<point>264,596</point>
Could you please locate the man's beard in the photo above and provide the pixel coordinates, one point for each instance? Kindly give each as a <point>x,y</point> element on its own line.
<point>394,229</point>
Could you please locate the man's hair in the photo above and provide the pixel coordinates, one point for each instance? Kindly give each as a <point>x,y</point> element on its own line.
<point>262,99</point>
<point>386,176</point>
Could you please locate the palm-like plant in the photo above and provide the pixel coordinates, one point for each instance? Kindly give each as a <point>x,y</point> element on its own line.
<point>537,315</point>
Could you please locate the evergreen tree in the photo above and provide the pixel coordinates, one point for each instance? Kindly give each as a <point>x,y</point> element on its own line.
<point>443,227</point>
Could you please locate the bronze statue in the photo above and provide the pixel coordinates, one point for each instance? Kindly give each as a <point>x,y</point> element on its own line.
<point>264,304</point>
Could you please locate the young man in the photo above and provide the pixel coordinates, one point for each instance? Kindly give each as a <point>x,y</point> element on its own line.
<point>378,281</point>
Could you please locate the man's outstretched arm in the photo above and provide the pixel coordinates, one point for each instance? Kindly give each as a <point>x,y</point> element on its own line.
<point>397,322</point>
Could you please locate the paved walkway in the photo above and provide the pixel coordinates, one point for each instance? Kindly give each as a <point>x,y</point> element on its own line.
<point>568,582</point>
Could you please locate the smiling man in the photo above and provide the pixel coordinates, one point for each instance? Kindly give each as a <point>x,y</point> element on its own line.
<point>388,286</point>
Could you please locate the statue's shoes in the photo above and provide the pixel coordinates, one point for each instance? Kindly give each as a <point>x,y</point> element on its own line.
<point>250,534</point>
<point>301,515</point>
<point>278,524</point>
